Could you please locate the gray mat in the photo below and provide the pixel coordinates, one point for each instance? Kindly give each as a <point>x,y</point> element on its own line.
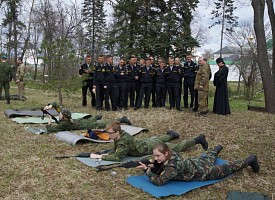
<point>96,162</point>
<point>237,195</point>
<point>36,130</point>
<point>12,97</point>
<point>37,120</point>
<point>33,113</point>
<point>74,139</point>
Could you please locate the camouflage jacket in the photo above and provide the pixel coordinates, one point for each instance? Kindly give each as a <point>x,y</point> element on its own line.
<point>202,77</point>
<point>126,145</point>
<point>79,124</point>
<point>20,73</point>
<point>176,168</point>
<point>5,72</point>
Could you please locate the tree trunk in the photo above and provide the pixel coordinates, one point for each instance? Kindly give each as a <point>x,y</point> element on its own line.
<point>28,31</point>
<point>262,55</point>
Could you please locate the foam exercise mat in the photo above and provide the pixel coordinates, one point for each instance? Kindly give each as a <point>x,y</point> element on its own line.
<point>172,187</point>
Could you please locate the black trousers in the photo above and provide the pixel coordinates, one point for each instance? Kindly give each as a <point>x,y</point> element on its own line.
<point>99,96</point>
<point>85,86</point>
<point>110,94</point>
<point>145,90</point>
<point>160,94</point>
<point>122,95</point>
<point>174,95</point>
<point>154,94</point>
<point>189,84</point>
<point>138,85</point>
<point>131,92</point>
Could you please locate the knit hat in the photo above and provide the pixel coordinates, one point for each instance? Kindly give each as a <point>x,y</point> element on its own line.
<point>219,60</point>
<point>66,113</point>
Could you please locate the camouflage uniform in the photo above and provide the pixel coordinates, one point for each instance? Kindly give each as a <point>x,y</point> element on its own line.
<point>79,124</point>
<point>5,78</point>
<point>20,73</point>
<point>202,79</point>
<point>193,169</point>
<point>126,145</point>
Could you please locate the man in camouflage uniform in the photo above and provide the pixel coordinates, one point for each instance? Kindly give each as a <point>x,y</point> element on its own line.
<point>20,73</point>
<point>126,145</point>
<point>66,123</point>
<point>195,169</point>
<point>87,72</point>
<point>202,85</point>
<point>5,77</point>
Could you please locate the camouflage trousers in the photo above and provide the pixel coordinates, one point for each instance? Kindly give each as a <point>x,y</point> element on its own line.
<point>6,86</point>
<point>178,147</point>
<point>203,101</point>
<point>205,169</point>
<point>21,89</point>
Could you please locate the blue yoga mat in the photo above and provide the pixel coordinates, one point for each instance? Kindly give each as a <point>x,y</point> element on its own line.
<point>172,187</point>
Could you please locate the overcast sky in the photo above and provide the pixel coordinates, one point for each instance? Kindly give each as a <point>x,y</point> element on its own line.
<point>243,11</point>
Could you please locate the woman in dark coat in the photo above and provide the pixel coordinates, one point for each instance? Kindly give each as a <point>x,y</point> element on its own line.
<point>221,102</point>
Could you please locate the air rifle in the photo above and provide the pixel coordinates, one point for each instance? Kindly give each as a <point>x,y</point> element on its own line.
<point>84,155</point>
<point>130,164</point>
<point>45,112</point>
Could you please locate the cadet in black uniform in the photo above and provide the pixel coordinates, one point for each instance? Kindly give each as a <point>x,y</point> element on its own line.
<point>146,75</point>
<point>110,91</point>
<point>190,70</point>
<point>161,84</point>
<point>138,84</point>
<point>99,82</point>
<point>121,82</point>
<point>87,71</point>
<point>132,70</point>
<point>173,75</point>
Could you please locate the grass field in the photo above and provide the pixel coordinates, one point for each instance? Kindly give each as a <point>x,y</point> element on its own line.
<point>29,171</point>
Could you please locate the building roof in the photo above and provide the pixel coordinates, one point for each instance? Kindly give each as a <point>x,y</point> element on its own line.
<point>227,50</point>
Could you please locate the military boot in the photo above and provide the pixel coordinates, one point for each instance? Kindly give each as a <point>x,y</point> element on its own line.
<point>8,101</point>
<point>218,149</point>
<point>253,162</point>
<point>125,120</point>
<point>201,140</point>
<point>98,117</point>
<point>173,134</point>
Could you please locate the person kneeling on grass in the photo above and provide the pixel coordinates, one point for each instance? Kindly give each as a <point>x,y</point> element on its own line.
<point>66,123</point>
<point>168,165</point>
<point>126,145</point>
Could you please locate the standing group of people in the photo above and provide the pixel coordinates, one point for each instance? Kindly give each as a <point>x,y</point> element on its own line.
<point>6,76</point>
<point>146,80</point>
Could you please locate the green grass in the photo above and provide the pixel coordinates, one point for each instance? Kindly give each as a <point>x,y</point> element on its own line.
<point>29,171</point>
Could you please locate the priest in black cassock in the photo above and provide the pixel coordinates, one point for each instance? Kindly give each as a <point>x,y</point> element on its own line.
<point>221,102</point>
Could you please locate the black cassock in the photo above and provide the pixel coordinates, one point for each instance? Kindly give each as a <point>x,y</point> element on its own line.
<point>221,102</point>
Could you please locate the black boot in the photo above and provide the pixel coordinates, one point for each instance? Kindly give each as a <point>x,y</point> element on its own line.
<point>98,117</point>
<point>201,140</point>
<point>173,134</point>
<point>218,149</point>
<point>253,162</point>
<point>8,101</point>
<point>125,120</point>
